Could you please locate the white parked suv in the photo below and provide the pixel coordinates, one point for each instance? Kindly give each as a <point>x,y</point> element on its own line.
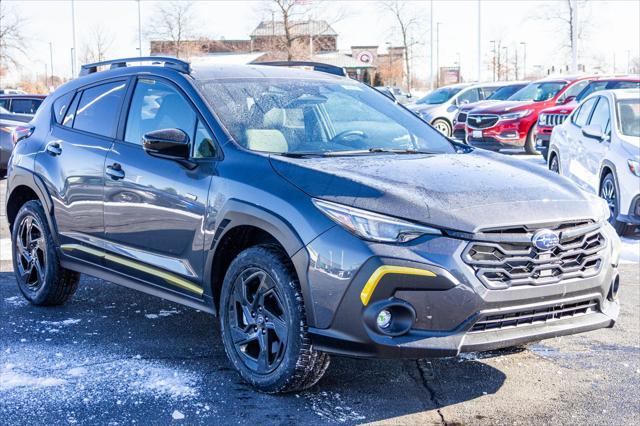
<point>599,149</point>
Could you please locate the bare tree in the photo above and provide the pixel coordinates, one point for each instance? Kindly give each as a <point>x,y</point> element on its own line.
<point>562,15</point>
<point>289,19</point>
<point>96,48</point>
<point>175,22</point>
<point>12,41</point>
<point>405,22</point>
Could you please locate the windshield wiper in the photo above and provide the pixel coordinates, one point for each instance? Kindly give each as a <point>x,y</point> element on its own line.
<point>400,151</point>
<point>301,154</point>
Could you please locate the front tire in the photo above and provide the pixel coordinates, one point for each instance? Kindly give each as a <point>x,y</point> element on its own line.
<point>530,143</point>
<point>609,191</point>
<point>263,323</point>
<point>442,126</point>
<point>554,164</point>
<point>40,277</point>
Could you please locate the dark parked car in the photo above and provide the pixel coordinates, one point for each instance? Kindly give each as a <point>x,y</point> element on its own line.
<point>313,214</point>
<point>21,104</point>
<point>10,126</point>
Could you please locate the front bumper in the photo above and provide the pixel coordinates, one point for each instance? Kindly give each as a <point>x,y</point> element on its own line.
<point>447,307</point>
<point>543,136</point>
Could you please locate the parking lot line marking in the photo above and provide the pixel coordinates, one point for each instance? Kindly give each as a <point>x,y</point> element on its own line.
<point>5,248</point>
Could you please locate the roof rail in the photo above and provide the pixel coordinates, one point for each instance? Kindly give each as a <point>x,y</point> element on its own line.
<point>167,61</point>
<point>317,66</point>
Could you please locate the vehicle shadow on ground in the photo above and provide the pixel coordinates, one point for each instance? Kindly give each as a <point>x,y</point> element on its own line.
<point>107,325</point>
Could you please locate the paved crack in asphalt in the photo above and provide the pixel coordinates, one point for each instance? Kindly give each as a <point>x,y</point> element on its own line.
<point>426,373</point>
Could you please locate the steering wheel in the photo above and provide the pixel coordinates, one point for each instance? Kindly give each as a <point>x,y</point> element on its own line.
<point>351,138</point>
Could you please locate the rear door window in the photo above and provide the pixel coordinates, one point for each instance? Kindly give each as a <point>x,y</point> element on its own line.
<point>25,106</point>
<point>4,103</point>
<point>99,108</point>
<point>469,97</point>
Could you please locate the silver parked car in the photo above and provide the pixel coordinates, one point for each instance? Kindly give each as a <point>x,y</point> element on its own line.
<point>440,107</point>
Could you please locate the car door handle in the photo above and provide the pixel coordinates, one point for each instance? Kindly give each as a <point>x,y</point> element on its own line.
<point>54,148</point>
<point>115,171</point>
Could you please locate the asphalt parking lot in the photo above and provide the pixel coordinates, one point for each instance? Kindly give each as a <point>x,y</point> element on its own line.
<point>116,356</point>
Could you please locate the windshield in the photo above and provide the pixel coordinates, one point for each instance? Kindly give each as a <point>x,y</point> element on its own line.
<point>629,117</point>
<point>439,96</point>
<point>504,93</point>
<point>538,92</point>
<point>317,117</point>
<point>595,86</point>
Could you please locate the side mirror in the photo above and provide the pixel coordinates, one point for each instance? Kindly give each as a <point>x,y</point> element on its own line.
<point>593,131</point>
<point>172,144</point>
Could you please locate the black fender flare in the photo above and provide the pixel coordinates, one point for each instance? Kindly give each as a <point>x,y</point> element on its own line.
<point>237,213</point>
<point>23,177</point>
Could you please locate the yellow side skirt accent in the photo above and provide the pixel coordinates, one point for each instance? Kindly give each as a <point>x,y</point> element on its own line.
<point>170,278</point>
<point>375,278</point>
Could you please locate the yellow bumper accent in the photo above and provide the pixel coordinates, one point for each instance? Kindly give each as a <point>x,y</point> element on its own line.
<point>170,278</point>
<point>375,278</point>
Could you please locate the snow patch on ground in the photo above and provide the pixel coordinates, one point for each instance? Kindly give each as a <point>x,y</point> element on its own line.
<point>10,379</point>
<point>630,250</point>
<point>70,321</point>
<point>330,407</point>
<point>163,313</point>
<point>16,301</point>
<point>168,382</point>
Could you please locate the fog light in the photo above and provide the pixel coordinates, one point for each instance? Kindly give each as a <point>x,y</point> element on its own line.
<point>384,318</point>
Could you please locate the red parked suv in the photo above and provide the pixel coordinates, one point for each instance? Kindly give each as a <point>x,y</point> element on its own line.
<point>511,124</point>
<point>554,116</point>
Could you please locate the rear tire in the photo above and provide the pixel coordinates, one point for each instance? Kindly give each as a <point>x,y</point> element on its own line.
<point>40,277</point>
<point>530,143</point>
<point>263,323</point>
<point>442,126</point>
<point>609,192</point>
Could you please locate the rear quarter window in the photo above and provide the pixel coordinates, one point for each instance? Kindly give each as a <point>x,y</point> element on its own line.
<point>61,105</point>
<point>25,106</point>
<point>99,108</point>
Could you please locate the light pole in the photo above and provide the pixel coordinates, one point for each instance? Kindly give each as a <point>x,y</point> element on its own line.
<point>479,73</point>
<point>139,31</point>
<point>459,67</point>
<point>431,42</point>
<point>438,52</point>
<point>493,59</point>
<point>51,60</point>
<point>74,51</point>
<point>388,82</point>
<point>524,59</point>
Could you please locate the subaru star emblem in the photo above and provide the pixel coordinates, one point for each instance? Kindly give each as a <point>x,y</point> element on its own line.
<point>545,239</point>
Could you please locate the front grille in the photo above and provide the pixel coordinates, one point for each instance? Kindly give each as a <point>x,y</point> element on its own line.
<point>504,258</point>
<point>462,117</point>
<point>534,316</point>
<point>482,121</point>
<point>555,119</point>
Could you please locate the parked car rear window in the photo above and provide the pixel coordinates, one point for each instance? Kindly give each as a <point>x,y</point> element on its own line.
<point>280,115</point>
<point>99,108</point>
<point>61,105</point>
<point>629,117</point>
<point>25,106</point>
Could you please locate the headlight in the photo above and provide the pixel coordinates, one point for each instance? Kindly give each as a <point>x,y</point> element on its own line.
<point>516,115</point>
<point>373,226</point>
<point>634,167</point>
<point>542,120</point>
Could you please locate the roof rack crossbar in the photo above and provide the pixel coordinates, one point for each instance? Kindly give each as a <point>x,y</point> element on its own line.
<point>317,66</point>
<point>167,61</point>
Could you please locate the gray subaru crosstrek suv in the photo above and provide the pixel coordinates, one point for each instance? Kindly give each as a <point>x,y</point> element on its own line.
<point>311,213</point>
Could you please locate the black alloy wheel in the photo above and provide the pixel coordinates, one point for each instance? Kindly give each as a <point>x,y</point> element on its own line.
<point>258,321</point>
<point>31,252</point>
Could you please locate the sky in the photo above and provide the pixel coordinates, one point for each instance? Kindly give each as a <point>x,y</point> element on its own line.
<point>613,30</point>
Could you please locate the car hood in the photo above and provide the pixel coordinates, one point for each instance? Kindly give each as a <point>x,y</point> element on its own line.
<point>560,109</point>
<point>479,104</point>
<point>464,192</point>
<point>501,107</point>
